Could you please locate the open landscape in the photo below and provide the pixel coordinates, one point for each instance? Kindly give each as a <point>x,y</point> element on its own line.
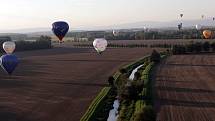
<point>107,60</point>
<point>59,84</point>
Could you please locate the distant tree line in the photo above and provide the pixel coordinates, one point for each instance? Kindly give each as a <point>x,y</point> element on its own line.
<point>196,47</point>
<point>114,45</point>
<point>43,42</point>
<point>141,34</point>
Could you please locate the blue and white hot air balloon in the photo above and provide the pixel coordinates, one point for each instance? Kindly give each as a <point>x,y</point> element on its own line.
<point>60,29</point>
<point>9,62</point>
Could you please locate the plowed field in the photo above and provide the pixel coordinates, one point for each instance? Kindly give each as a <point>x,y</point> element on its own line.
<point>185,87</point>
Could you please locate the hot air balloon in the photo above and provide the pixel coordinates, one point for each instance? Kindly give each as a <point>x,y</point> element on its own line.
<point>9,47</point>
<point>115,33</point>
<point>9,63</point>
<point>180,26</point>
<point>145,29</point>
<point>213,18</point>
<point>60,29</point>
<point>198,26</point>
<point>207,34</point>
<point>203,16</point>
<point>100,45</point>
<point>181,15</point>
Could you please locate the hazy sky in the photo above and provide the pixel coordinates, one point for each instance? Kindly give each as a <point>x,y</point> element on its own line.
<point>16,14</point>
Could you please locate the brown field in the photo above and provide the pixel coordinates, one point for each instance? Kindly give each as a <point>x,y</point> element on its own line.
<point>60,83</point>
<point>185,87</point>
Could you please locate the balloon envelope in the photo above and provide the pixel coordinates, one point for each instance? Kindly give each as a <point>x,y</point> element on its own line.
<point>115,33</point>
<point>207,34</point>
<point>180,26</point>
<point>198,27</point>
<point>9,47</point>
<point>9,63</point>
<point>100,44</point>
<point>145,29</point>
<point>60,29</point>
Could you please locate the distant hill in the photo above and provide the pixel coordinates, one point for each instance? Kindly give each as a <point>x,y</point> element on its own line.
<point>155,24</point>
<point>136,25</point>
<point>14,36</point>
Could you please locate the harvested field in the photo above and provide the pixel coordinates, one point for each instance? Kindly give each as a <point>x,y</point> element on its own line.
<point>60,83</point>
<point>185,87</point>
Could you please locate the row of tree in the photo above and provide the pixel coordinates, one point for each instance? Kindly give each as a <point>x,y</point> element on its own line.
<point>44,42</point>
<point>140,35</point>
<point>194,48</point>
<point>115,45</point>
<point>136,95</point>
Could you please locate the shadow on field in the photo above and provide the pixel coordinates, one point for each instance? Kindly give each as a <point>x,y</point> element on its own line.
<point>166,76</point>
<point>26,69</point>
<point>191,65</point>
<point>79,84</point>
<point>173,81</point>
<point>29,68</point>
<point>187,103</point>
<point>53,51</point>
<point>93,60</point>
<point>11,83</point>
<point>186,90</point>
<point>6,115</point>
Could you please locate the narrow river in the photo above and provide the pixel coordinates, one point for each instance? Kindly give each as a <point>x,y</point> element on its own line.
<point>113,114</point>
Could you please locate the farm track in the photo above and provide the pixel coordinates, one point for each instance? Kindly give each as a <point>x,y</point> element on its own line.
<point>60,83</point>
<point>185,87</point>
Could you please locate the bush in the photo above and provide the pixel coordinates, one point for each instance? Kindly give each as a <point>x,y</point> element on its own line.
<point>155,57</point>
<point>179,49</point>
<point>198,47</point>
<point>139,84</point>
<point>123,71</point>
<point>129,92</point>
<point>190,48</point>
<point>137,75</point>
<point>206,46</point>
<point>44,42</point>
<point>213,46</point>
<point>111,80</point>
<point>146,114</point>
<point>126,111</point>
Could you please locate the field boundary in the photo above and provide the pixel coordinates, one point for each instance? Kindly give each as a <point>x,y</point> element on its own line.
<point>139,106</point>
<point>89,114</point>
<point>96,102</point>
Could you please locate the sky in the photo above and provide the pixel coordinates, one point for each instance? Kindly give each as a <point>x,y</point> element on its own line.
<point>19,14</point>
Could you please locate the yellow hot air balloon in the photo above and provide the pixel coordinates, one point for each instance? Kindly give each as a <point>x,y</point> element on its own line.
<point>207,34</point>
